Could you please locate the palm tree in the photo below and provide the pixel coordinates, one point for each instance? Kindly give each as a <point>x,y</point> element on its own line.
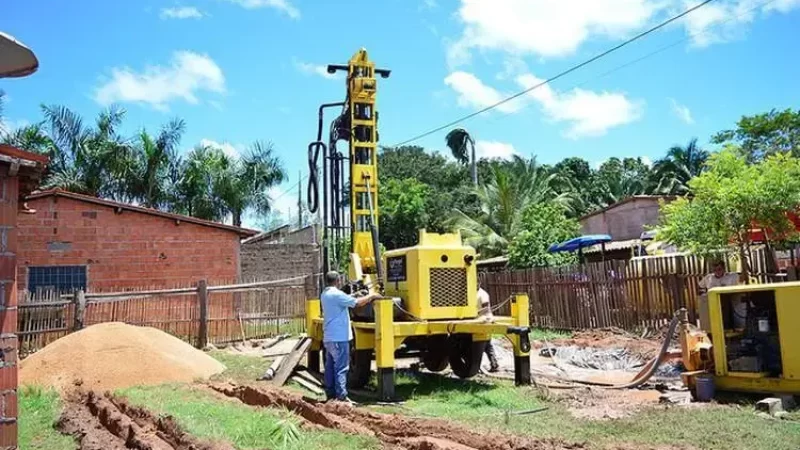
<point>192,184</point>
<point>680,165</point>
<point>511,187</point>
<point>153,159</point>
<point>89,160</point>
<point>459,142</point>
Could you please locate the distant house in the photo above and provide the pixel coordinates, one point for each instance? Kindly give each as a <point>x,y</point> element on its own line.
<point>625,222</point>
<point>74,241</point>
<point>281,253</point>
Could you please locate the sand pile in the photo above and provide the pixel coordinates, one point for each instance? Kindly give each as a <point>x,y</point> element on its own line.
<point>116,355</point>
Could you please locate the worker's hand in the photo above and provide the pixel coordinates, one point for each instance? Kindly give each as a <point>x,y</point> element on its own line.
<point>375,296</point>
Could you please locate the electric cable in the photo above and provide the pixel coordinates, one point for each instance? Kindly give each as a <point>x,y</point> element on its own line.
<point>557,76</point>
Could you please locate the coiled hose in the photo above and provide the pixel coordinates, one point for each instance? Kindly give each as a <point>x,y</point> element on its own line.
<point>647,371</point>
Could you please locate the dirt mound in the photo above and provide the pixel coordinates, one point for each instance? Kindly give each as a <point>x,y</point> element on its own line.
<point>109,356</point>
<point>394,431</point>
<point>108,423</point>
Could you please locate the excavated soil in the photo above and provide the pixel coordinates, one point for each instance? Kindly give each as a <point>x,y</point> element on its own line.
<point>109,423</point>
<point>394,431</point>
<point>113,355</point>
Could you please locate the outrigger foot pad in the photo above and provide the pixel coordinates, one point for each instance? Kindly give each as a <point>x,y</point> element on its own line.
<point>386,384</point>
<point>522,370</point>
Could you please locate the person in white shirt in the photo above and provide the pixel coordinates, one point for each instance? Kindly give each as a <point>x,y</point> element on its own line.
<point>719,278</point>
<point>486,312</point>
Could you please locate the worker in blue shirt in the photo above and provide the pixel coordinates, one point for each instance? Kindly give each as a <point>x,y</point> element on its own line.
<point>337,334</point>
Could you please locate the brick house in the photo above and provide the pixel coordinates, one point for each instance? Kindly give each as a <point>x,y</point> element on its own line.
<point>19,173</point>
<point>75,241</point>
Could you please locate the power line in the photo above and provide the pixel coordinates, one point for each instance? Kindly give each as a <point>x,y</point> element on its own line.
<point>660,49</point>
<point>556,77</point>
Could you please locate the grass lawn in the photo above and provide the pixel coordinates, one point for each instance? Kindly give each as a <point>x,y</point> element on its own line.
<point>205,415</point>
<point>483,405</point>
<point>38,411</point>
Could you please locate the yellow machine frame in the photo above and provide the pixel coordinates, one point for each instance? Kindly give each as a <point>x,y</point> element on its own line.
<point>787,304</point>
<point>436,279</point>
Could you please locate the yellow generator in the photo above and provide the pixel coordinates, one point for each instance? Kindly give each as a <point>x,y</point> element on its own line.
<point>429,305</point>
<point>749,339</point>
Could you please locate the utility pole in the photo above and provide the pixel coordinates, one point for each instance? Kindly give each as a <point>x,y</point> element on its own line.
<point>299,200</point>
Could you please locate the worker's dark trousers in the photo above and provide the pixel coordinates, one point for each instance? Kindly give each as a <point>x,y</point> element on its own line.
<point>492,357</point>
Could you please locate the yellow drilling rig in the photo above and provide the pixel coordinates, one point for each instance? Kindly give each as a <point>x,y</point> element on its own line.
<point>429,305</point>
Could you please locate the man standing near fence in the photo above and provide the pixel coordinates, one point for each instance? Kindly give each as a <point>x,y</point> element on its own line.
<point>337,334</point>
<point>719,278</point>
<point>486,312</point>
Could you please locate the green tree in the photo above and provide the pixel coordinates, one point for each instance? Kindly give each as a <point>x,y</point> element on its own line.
<point>462,146</point>
<point>618,179</point>
<point>731,198</point>
<point>681,164</point>
<point>542,224</point>
<point>93,160</point>
<point>193,181</point>
<point>153,158</point>
<point>510,188</point>
<point>765,134</point>
<point>404,211</point>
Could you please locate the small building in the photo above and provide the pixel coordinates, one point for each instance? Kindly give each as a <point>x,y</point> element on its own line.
<point>625,221</point>
<point>74,241</point>
<point>19,174</point>
<point>281,253</point>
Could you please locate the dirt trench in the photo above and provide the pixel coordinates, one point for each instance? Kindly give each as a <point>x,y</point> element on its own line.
<point>394,431</point>
<point>105,422</point>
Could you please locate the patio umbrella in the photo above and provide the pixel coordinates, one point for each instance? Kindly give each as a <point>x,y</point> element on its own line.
<point>16,60</point>
<point>579,243</point>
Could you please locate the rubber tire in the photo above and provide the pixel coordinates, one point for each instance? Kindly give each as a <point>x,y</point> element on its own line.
<point>435,355</point>
<point>465,355</point>
<point>360,367</point>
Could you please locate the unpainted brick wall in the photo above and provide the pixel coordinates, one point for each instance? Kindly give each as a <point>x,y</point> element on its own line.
<point>8,310</point>
<point>264,261</point>
<point>126,250</point>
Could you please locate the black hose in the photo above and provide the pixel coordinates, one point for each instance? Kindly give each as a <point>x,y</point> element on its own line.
<point>313,174</point>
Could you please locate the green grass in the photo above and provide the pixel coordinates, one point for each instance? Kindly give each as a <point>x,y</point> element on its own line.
<point>38,411</point>
<point>240,368</point>
<point>207,416</point>
<point>545,334</point>
<point>483,405</point>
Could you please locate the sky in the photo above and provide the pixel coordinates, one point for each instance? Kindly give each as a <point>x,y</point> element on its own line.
<point>239,71</point>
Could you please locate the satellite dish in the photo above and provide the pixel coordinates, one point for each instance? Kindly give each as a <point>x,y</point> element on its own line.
<point>16,60</point>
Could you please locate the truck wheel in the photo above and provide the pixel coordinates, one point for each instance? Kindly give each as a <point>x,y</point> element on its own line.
<point>466,355</point>
<point>435,354</point>
<point>360,365</point>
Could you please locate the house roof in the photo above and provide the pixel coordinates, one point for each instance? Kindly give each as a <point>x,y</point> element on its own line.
<point>242,232</point>
<point>26,166</point>
<point>627,200</point>
<point>16,60</point>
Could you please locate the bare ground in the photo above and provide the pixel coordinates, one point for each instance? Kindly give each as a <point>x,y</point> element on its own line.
<point>105,422</point>
<point>394,431</point>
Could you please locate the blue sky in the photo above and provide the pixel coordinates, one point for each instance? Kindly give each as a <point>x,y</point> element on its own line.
<point>242,70</point>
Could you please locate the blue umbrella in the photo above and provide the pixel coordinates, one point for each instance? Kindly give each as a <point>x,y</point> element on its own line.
<point>579,243</point>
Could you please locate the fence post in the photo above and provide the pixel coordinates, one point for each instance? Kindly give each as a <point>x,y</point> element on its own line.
<point>202,298</point>
<point>80,311</point>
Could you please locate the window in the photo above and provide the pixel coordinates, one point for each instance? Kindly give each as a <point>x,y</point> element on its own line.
<point>56,278</point>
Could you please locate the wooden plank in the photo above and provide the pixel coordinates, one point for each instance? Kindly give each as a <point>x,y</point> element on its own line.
<point>306,384</point>
<point>291,361</point>
<point>202,299</point>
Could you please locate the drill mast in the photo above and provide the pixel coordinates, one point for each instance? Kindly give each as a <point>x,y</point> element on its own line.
<point>351,210</point>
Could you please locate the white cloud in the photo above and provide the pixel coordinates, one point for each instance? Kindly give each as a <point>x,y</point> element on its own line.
<point>548,28</point>
<point>229,149</point>
<point>187,74</point>
<point>182,12</point>
<point>313,69</point>
<point>429,4</point>
<point>646,161</point>
<point>494,149</point>
<point>588,113</point>
<point>281,5</point>
<point>557,28</point>
<point>682,112</point>
<point>473,93</point>
<point>9,125</point>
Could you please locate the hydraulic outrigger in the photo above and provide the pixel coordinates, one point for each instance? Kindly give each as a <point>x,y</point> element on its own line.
<point>430,289</point>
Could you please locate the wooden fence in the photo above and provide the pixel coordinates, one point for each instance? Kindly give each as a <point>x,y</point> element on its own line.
<point>643,292</point>
<point>199,314</point>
